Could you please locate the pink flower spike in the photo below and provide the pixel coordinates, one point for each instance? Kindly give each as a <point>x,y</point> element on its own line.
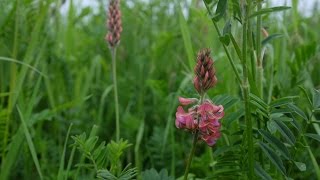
<point>187,101</point>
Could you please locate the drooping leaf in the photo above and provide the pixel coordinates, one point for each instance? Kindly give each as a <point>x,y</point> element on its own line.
<point>261,172</point>
<point>269,10</point>
<point>283,101</point>
<point>313,136</point>
<point>298,111</point>
<point>273,157</point>
<point>276,143</point>
<point>270,38</point>
<point>285,131</point>
<point>259,101</point>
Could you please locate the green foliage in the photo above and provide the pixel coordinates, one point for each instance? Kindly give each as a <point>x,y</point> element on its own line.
<point>100,155</point>
<point>153,174</point>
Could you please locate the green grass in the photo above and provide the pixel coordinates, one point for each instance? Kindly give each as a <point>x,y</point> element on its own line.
<point>56,72</point>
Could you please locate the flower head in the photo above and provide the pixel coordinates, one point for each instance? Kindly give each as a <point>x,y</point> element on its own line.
<point>205,75</point>
<point>203,118</point>
<point>114,24</point>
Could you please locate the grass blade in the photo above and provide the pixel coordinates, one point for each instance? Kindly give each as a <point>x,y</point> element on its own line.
<point>61,167</point>
<point>30,143</point>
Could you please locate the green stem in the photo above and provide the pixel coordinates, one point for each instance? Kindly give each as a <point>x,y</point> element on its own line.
<point>114,74</point>
<point>246,91</point>
<point>224,46</point>
<point>259,54</point>
<point>194,144</point>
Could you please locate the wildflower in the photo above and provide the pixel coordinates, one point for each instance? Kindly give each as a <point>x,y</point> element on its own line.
<point>114,24</point>
<point>203,118</point>
<point>205,77</point>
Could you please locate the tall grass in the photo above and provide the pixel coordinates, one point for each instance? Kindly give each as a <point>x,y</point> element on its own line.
<point>55,70</point>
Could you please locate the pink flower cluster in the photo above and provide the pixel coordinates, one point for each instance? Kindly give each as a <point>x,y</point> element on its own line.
<point>203,118</point>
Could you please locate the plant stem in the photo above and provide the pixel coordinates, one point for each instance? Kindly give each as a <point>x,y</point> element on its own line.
<point>224,46</point>
<point>246,90</point>
<point>114,74</point>
<point>194,144</point>
<point>259,54</point>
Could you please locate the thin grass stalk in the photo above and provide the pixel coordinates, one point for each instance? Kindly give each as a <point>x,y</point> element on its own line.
<point>115,86</point>
<point>246,90</point>
<point>13,77</point>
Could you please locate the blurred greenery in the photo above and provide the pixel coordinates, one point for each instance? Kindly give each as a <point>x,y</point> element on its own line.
<point>55,70</point>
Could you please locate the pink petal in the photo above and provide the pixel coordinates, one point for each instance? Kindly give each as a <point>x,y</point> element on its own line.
<point>187,101</point>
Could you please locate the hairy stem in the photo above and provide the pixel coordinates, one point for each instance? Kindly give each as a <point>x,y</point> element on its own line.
<point>114,74</point>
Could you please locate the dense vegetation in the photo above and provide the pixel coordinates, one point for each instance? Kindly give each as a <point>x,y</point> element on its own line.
<point>57,109</point>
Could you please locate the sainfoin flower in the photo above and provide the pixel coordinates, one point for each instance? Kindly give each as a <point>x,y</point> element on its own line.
<point>203,118</point>
<point>114,23</point>
<point>205,75</point>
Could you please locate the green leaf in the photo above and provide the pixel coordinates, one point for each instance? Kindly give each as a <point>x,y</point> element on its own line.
<point>30,144</point>
<point>236,46</point>
<point>313,136</point>
<point>285,131</point>
<point>306,94</point>
<point>298,111</point>
<point>186,39</point>
<point>154,175</point>
<point>259,101</point>
<point>61,167</point>
<point>276,143</point>
<point>261,172</point>
<point>273,157</point>
<point>221,10</point>
<point>227,28</point>
<point>301,166</point>
<point>316,99</point>
<point>272,126</point>
<point>226,100</point>
<point>270,38</point>
<point>269,10</point>
<point>225,39</point>
<point>283,101</point>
